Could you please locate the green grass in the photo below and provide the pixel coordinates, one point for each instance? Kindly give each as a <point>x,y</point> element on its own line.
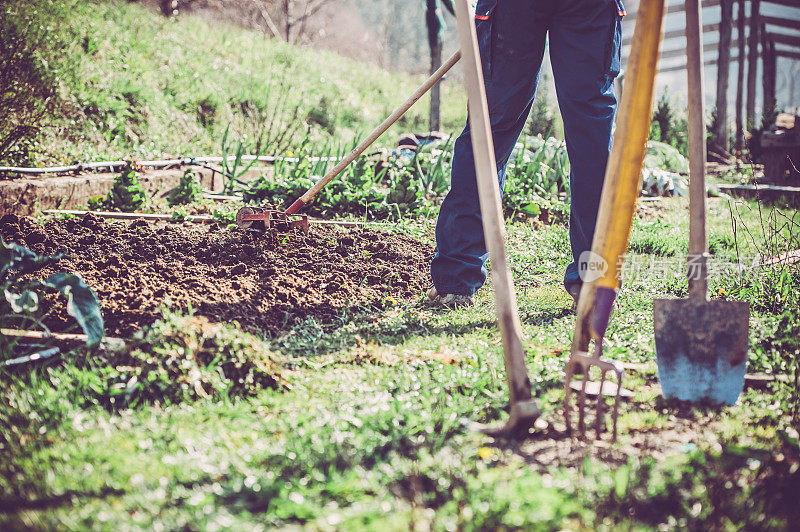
<point>366,430</point>
<point>371,436</point>
<point>135,83</point>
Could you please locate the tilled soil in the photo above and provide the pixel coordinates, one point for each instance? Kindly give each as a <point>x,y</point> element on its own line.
<point>266,282</point>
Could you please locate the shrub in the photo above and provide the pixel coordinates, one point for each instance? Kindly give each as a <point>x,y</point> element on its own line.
<point>667,126</point>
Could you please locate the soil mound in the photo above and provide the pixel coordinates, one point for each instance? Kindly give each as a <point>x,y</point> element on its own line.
<point>265,282</point>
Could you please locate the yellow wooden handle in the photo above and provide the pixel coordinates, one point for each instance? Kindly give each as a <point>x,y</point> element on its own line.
<point>623,174</point>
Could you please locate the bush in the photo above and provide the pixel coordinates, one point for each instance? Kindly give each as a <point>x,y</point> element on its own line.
<point>541,120</point>
<point>668,127</point>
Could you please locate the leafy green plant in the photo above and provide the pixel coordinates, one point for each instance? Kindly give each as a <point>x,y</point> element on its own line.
<point>365,188</point>
<point>126,193</point>
<point>536,177</point>
<point>187,191</point>
<point>224,214</point>
<point>20,305</point>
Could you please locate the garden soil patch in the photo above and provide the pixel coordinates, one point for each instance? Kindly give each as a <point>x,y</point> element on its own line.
<point>266,282</point>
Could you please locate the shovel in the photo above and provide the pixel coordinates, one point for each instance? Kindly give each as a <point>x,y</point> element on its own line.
<point>701,345</point>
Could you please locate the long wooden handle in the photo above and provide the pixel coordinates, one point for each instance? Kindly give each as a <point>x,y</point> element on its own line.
<point>698,243</point>
<point>489,194</point>
<point>623,175</point>
<point>377,132</point>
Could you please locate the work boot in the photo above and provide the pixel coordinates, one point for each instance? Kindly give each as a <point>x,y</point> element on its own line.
<point>449,300</point>
<point>573,290</point>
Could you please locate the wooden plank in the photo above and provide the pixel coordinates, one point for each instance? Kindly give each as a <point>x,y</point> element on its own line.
<point>679,33</point>
<point>790,257</point>
<point>787,53</point>
<point>675,8</point>
<point>787,3</point>
<point>763,192</point>
<point>201,218</point>
<point>681,52</point>
<point>782,22</point>
<point>782,38</point>
<point>682,66</point>
<point>41,335</point>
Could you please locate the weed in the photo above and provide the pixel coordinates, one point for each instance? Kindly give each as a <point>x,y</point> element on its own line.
<point>185,358</point>
<point>178,215</point>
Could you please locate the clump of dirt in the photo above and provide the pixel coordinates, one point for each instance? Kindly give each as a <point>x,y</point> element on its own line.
<point>266,281</point>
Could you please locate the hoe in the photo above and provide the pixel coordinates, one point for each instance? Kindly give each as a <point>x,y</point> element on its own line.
<point>262,219</point>
<point>523,409</point>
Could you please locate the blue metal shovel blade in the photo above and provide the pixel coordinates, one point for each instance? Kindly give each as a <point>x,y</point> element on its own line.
<point>701,348</point>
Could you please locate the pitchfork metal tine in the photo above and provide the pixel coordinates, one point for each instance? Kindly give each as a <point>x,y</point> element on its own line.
<point>582,402</point>
<point>601,403</point>
<point>615,414</point>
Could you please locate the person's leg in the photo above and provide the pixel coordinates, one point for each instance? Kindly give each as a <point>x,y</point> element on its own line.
<point>585,39</point>
<point>511,36</point>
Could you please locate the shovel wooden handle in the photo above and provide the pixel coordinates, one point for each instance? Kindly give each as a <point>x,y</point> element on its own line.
<point>295,207</point>
<point>698,243</point>
<point>489,195</point>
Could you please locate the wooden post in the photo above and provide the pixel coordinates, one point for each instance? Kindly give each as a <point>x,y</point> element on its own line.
<point>723,73</point>
<point>768,74</point>
<point>740,79</point>
<point>752,64</point>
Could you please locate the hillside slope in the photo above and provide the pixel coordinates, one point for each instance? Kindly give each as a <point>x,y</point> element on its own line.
<point>133,83</point>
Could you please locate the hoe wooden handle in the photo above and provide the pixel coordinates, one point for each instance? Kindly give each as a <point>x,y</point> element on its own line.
<point>489,194</point>
<point>295,207</point>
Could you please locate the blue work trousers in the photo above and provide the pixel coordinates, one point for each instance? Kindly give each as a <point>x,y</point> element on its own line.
<point>584,43</point>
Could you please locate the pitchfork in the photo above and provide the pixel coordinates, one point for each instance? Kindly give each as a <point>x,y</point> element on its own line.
<point>601,274</point>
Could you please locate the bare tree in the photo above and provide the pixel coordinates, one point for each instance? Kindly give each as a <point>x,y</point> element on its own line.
<point>295,15</point>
